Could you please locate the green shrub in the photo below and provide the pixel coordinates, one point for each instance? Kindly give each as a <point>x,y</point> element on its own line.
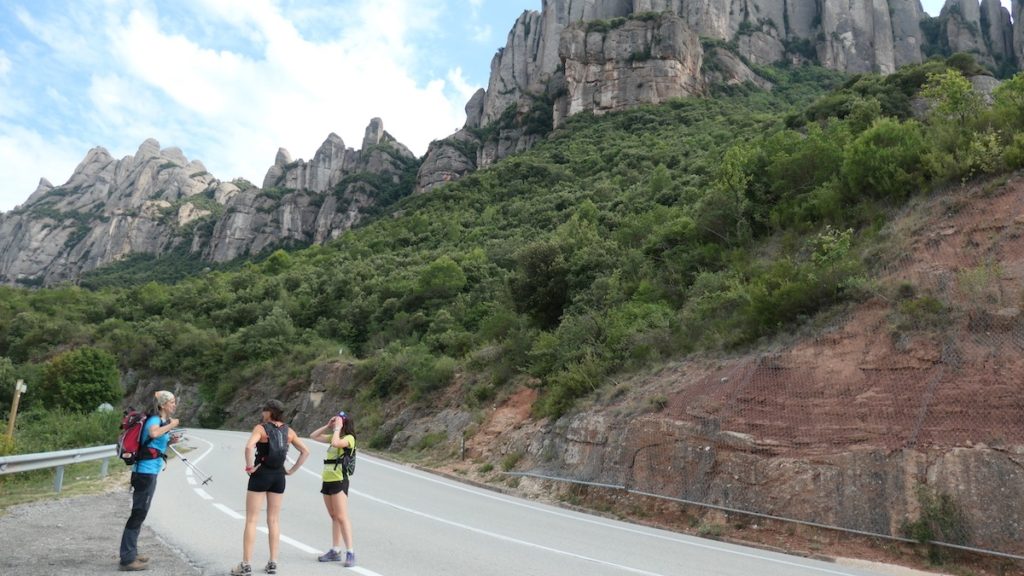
<point>81,380</point>
<point>41,430</point>
<point>940,520</point>
<point>1013,156</point>
<point>923,313</point>
<point>572,382</point>
<point>540,284</point>
<point>884,162</point>
<point>509,461</point>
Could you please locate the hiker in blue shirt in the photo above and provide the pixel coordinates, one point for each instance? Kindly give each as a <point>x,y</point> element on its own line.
<point>269,440</point>
<point>144,473</point>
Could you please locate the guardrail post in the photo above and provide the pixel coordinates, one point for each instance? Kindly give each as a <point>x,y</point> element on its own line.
<point>58,479</point>
<point>104,467</point>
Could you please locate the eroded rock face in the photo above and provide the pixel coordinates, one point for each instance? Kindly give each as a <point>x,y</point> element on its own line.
<point>1018,32</point>
<point>860,39</point>
<point>448,160</point>
<point>728,69</point>
<point>157,200</point>
<point>848,35</point>
<point>107,209</point>
<point>963,26</point>
<point>318,201</point>
<point>639,62</point>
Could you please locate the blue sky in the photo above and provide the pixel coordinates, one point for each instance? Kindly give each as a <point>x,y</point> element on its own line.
<point>934,6</point>
<point>230,81</point>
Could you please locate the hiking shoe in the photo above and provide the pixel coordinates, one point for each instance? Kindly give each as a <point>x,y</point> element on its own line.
<point>142,559</point>
<point>350,559</point>
<point>330,556</point>
<point>135,566</point>
<point>243,569</point>
<point>271,567</point>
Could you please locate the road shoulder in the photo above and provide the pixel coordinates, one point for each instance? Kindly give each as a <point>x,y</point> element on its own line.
<point>79,536</point>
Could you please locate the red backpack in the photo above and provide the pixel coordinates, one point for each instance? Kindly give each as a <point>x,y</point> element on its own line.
<point>131,445</point>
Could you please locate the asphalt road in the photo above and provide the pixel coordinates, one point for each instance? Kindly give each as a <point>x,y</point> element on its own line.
<point>408,522</point>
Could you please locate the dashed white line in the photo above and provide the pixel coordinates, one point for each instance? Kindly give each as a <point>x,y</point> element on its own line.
<point>228,511</point>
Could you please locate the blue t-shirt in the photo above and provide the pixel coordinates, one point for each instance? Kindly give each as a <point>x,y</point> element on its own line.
<point>153,465</point>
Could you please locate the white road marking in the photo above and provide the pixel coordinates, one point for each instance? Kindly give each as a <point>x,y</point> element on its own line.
<point>228,511</point>
<point>203,494</point>
<point>292,541</point>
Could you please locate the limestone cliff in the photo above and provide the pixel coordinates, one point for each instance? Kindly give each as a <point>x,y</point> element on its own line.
<point>304,203</point>
<point>107,209</point>
<point>646,61</point>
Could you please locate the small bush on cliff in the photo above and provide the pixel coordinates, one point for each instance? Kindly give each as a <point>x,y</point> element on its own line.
<point>940,520</point>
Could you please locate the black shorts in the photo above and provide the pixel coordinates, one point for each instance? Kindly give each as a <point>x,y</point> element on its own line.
<point>331,488</point>
<point>267,480</point>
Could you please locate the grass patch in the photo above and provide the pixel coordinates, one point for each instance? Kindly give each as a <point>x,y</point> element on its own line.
<point>79,479</point>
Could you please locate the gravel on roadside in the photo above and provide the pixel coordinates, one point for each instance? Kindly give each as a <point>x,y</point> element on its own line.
<point>79,536</point>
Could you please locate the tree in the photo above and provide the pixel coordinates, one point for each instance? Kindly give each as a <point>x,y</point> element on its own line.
<point>954,98</point>
<point>442,278</point>
<point>6,381</point>
<point>1008,104</point>
<point>884,161</point>
<point>81,380</point>
<point>540,284</point>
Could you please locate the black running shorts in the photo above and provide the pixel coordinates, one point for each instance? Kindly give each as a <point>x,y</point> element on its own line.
<point>267,480</point>
<point>330,488</point>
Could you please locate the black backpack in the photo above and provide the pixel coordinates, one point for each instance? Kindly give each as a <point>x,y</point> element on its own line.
<point>277,445</point>
<point>347,460</point>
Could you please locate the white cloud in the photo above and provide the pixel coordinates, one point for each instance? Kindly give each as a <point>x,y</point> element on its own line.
<point>460,85</point>
<point>20,147</point>
<point>5,64</point>
<point>480,34</point>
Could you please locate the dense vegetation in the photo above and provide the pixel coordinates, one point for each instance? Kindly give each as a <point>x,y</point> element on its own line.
<point>619,241</point>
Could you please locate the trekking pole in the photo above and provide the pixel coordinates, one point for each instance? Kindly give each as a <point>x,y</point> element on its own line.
<point>191,465</point>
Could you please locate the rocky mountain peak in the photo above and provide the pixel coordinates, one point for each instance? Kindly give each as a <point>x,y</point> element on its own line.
<point>373,134</point>
<point>331,162</point>
<point>603,55</point>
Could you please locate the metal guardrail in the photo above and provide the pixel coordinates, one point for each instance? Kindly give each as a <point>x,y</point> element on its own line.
<point>767,516</point>
<point>58,460</point>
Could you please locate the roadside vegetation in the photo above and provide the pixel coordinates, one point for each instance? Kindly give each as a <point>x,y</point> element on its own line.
<point>616,243</point>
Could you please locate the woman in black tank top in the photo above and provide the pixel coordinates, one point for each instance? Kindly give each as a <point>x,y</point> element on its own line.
<point>266,482</point>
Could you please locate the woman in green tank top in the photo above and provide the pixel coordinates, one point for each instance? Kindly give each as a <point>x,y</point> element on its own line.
<point>339,434</point>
